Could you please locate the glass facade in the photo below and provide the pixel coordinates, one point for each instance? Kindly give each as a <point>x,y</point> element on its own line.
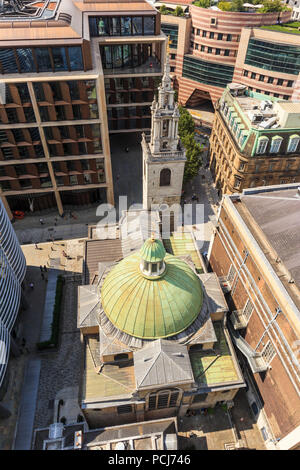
<point>41,59</point>
<point>171,30</point>
<point>272,56</point>
<point>126,55</point>
<point>122,26</point>
<point>207,72</point>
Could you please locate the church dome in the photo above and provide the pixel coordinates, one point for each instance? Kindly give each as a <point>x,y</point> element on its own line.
<point>151,306</point>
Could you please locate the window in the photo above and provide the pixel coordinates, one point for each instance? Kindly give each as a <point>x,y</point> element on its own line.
<point>202,48</point>
<point>120,357</point>
<point>163,399</point>
<point>204,34</point>
<point>237,182</point>
<point>211,35</point>
<point>285,97</point>
<point>290,83</point>
<point>262,145</point>
<point>226,52</point>
<point>231,274</point>
<point>220,36</point>
<point>196,46</point>
<point>293,143</point>
<point>270,80</point>
<point>229,37</point>
<point>218,51</point>
<point>261,78</point>
<point>123,409</point>
<point>165,177</point>
<point>275,144</point>
<point>268,353</point>
<point>280,81</point>
<point>245,73</point>
<point>248,310</point>
<point>253,75</point>
<point>198,32</point>
<point>209,50</point>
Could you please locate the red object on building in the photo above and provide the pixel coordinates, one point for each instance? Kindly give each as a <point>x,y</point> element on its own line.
<point>18,214</point>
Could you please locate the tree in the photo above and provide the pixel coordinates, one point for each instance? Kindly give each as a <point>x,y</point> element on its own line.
<point>272,6</point>
<point>202,3</point>
<point>186,124</point>
<point>178,11</point>
<point>186,131</point>
<point>163,10</point>
<point>224,6</point>
<point>237,5</point>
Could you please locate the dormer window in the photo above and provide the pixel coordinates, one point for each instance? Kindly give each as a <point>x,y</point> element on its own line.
<point>275,144</point>
<point>262,145</point>
<point>293,143</point>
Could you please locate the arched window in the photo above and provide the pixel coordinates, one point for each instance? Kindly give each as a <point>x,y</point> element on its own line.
<point>165,177</point>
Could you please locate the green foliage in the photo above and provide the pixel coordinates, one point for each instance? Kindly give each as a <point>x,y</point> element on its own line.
<point>268,5</point>
<point>178,11</point>
<point>53,341</point>
<point>163,10</point>
<point>272,6</point>
<point>202,3</point>
<point>186,124</point>
<point>224,6</point>
<point>186,130</point>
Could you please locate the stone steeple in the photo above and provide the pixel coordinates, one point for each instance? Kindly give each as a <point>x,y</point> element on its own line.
<point>163,157</point>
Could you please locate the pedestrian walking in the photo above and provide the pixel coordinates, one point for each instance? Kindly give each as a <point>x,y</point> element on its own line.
<point>42,221</point>
<point>41,268</point>
<point>127,149</point>
<point>36,246</point>
<point>55,221</point>
<point>31,285</point>
<point>45,268</point>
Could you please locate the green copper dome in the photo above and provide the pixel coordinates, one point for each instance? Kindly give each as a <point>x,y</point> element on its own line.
<point>151,308</point>
<point>153,251</point>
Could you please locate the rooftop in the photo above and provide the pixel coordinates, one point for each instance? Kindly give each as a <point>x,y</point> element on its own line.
<point>114,380</point>
<point>148,435</point>
<point>182,243</point>
<point>276,209</point>
<point>217,366</point>
<point>263,111</point>
<point>292,27</point>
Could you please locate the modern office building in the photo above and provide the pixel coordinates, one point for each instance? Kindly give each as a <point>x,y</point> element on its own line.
<point>72,73</point>
<point>255,252</point>
<point>254,140</point>
<point>211,48</point>
<point>13,269</point>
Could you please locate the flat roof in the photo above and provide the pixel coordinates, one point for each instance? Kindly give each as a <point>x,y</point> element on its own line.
<point>116,7</point>
<point>217,366</point>
<point>182,243</point>
<point>111,381</point>
<point>277,213</point>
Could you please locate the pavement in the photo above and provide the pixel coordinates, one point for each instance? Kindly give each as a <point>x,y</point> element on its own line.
<point>219,430</point>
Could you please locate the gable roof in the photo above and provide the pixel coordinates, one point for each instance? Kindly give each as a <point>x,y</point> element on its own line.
<point>162,363</point>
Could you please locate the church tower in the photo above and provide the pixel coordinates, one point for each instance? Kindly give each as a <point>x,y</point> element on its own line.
<point>163,156</point>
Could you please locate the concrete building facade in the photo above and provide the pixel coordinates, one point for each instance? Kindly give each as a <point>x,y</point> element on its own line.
<point>255,253</point>
<point>71,74</point>
<point>254,140</point>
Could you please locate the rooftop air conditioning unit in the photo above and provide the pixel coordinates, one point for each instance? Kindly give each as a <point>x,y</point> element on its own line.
<point>268,123</point>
